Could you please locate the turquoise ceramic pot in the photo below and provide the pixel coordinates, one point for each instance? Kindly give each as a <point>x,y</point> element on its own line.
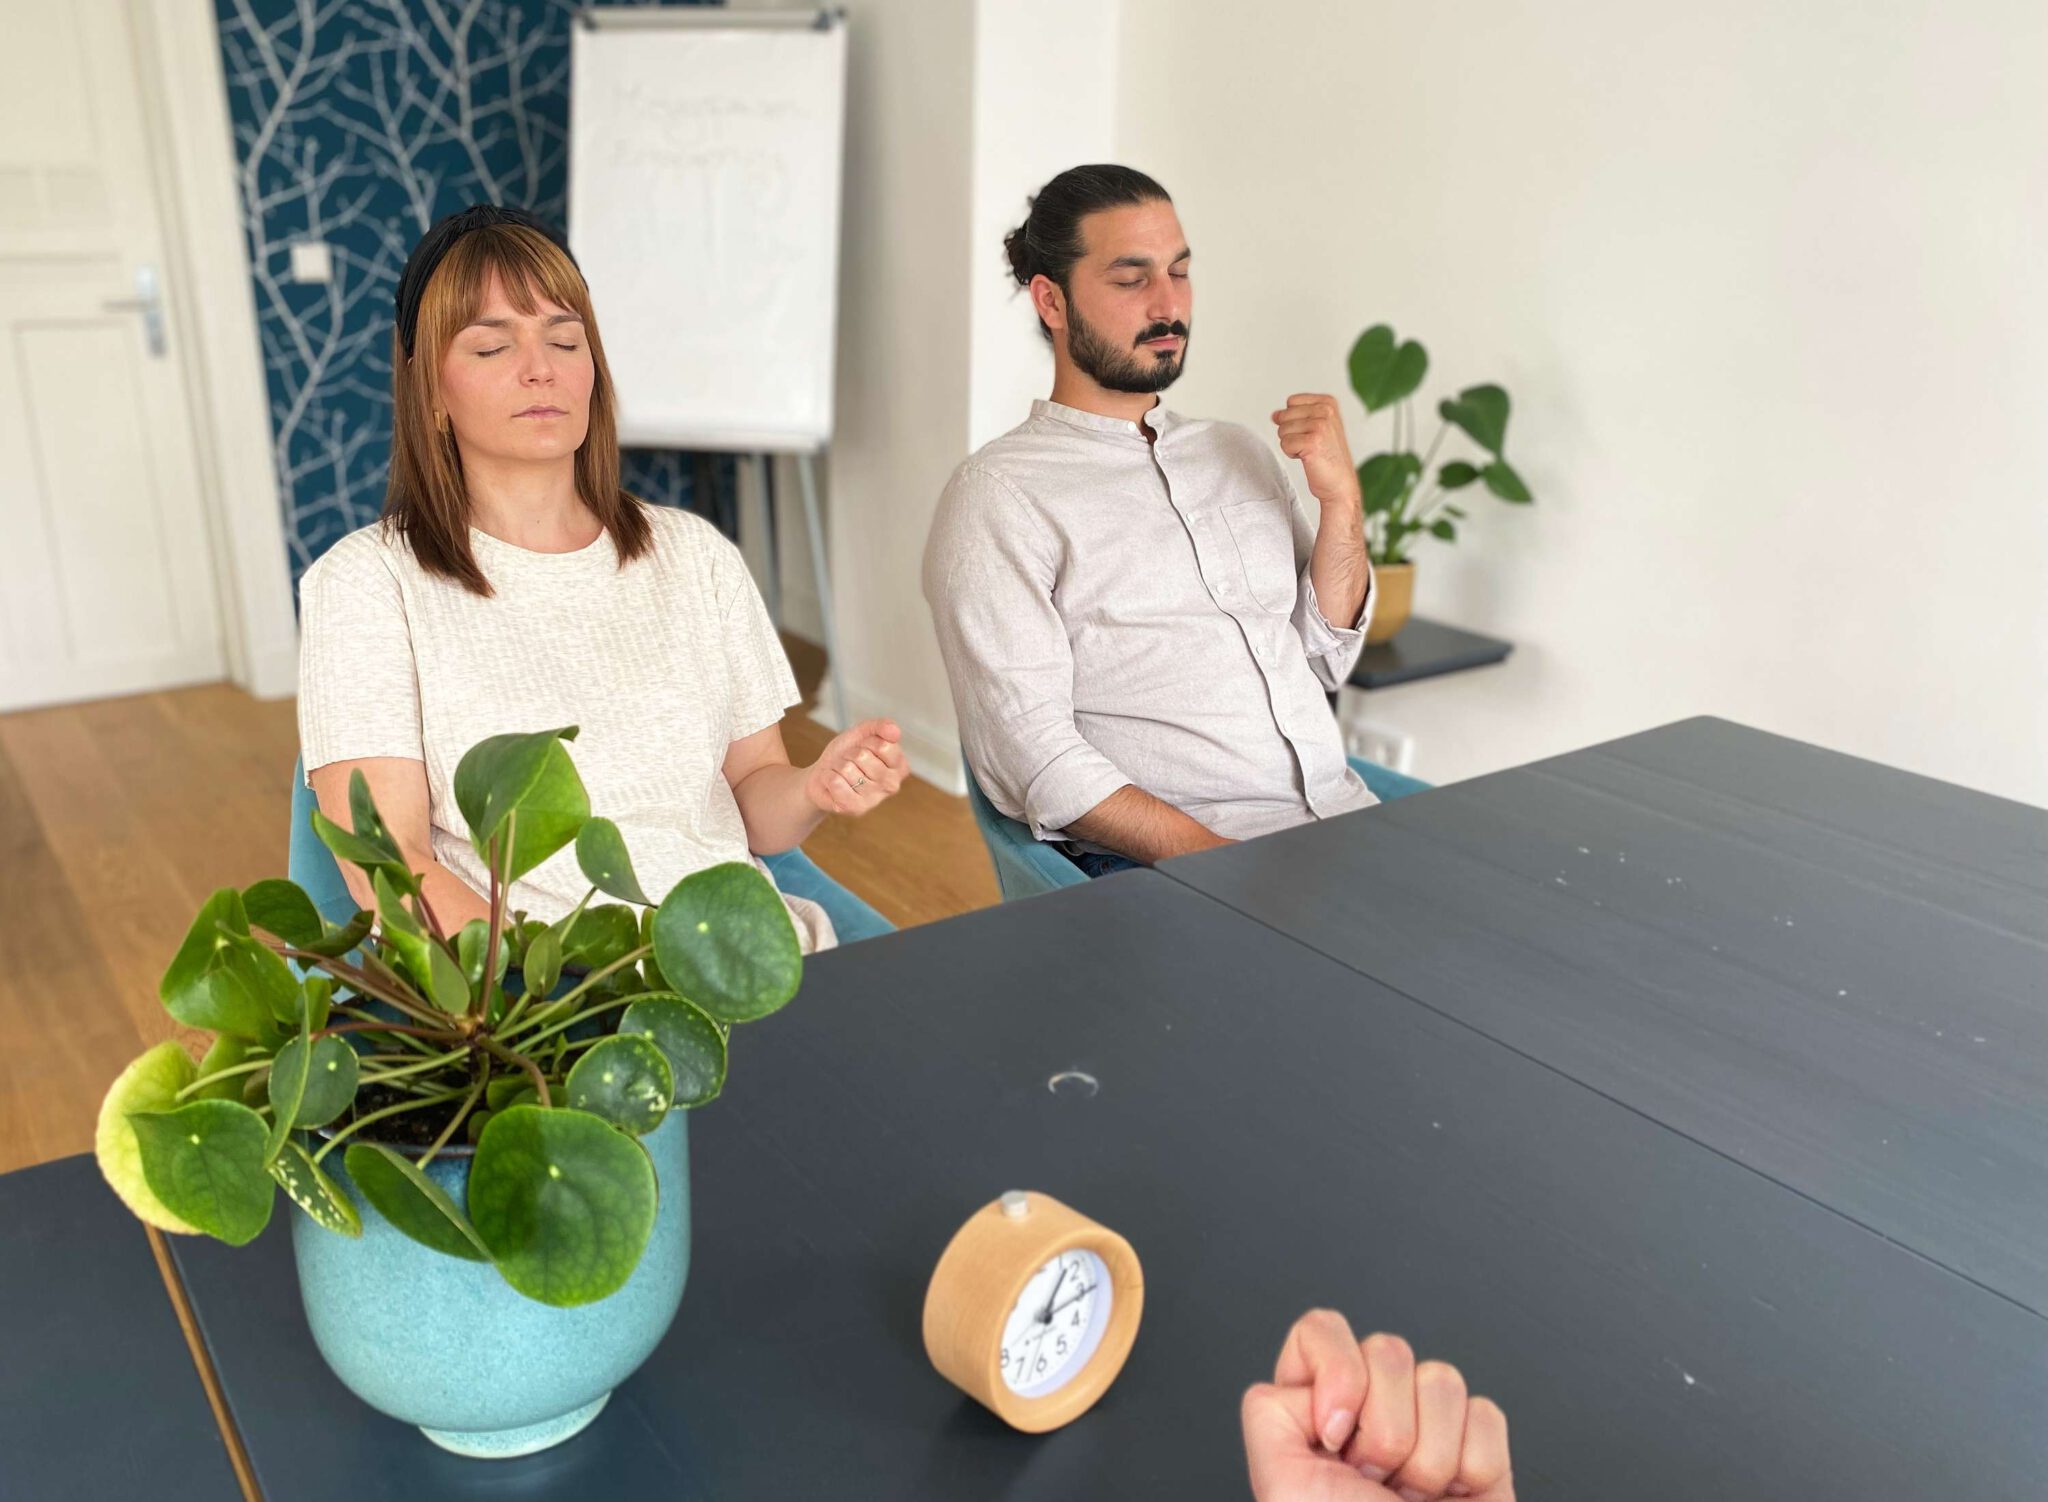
<point>449,1346</point>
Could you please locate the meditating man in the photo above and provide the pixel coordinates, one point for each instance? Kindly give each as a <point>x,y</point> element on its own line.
<point>1139,619</point>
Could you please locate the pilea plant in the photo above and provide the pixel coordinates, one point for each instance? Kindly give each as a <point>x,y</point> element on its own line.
<point>546,1049</point>
<point>1401,498</point>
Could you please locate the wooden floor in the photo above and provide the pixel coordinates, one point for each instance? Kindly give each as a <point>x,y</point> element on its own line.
<point>118,818</point>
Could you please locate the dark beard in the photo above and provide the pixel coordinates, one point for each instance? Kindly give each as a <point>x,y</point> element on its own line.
<point>1135,371</point>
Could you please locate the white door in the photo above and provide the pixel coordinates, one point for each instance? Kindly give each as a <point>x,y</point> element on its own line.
<point>106,579</point>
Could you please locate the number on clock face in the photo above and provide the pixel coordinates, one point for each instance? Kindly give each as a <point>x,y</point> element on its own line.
<point>1056,1324</point>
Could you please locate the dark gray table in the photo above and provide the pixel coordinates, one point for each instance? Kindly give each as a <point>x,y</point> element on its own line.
<point>99,1397</point>
<point>1831,971</point>
<point>1425,649</point>
<point>1271,1132</point>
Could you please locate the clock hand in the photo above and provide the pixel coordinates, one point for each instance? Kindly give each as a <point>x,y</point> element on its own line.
<point>1038,1345</point>
<point>1075,1298</point>
<point>1046,1317</point>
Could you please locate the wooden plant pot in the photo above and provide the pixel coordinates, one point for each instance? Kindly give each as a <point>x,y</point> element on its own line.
<point>1394,584</point>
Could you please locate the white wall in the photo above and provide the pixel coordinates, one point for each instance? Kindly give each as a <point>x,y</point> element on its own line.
<point>954,113</point>
<point>902,398</point>
<point>1045,81</point>
<point>1765,284</point>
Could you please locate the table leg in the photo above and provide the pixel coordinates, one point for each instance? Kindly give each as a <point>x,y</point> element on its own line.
<point>174,1288</point>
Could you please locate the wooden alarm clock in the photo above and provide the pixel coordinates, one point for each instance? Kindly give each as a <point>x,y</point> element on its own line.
<point>1032,1310</point>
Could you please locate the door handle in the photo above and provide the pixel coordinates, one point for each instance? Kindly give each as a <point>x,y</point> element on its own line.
<point>149,302</point>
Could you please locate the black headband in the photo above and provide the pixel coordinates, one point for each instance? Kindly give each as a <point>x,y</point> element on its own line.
<point>434,246</point>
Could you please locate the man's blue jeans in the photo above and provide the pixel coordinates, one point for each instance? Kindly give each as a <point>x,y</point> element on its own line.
<point>1094,864</point>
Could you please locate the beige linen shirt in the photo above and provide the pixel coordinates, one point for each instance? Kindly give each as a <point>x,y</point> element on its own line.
<point>1113,611</point>
<point>663,664</point>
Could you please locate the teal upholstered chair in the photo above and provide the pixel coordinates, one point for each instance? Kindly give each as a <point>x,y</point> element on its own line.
<point>1026,866</point>
<point>1385,782</point>
<point>313,868</point>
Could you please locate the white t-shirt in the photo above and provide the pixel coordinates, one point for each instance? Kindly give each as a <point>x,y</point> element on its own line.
<point>663,664</point>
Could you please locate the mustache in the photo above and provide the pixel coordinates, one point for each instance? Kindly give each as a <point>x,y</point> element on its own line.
<point>1161,331</point>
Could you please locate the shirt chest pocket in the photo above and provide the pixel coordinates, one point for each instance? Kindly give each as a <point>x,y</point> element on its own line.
<point>1264,537</point>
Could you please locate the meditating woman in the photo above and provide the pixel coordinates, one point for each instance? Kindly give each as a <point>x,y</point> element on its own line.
<point>511,584</point>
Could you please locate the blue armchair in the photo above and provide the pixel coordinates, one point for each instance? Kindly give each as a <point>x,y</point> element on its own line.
<point>1026,866</point>
<point>312,866</point>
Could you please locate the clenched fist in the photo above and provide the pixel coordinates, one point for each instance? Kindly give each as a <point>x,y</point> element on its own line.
<point>1312,431</point>
<point>1345,1420</point>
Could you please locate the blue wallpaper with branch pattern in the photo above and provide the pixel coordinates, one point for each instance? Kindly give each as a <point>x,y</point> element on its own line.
<point>359,123</point>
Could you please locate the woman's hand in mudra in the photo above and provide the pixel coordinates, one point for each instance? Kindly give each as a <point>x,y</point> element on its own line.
<point>859,769</point>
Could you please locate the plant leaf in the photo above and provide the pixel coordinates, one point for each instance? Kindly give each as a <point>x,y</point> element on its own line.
<point>204,1161</point>
<point>1443,529</point>
<point>369,824</point>
<point>187,989</point>
<point>150,1083</point>
<point>522,935</point>
<point>725,941</point>
<point>225,1052</point>
<point>357,851</point>
<point>1457,474</point>
<point>1506,484</point>
<point>528,775</point>
<point>312,1191</point>
<point>626,1080</point>
<point>601,935</point>
<point>312,1094</point>
<point>258,970</point>
<point>285,1088</point>
<point>1411,364</point>
<point>1482,411</point>
<point>564,1201</point>
<point>1383,370</point>
<point>1372,353</point>
<point>601,852</point>
<point>688,1038</point>
<point>414,1203</point>
<point>495,774</point>
<point>1385,478</point>
<point>415,949</point>
<point>318,994</point>
<point>283,908</point>
<point>469,951</point>
<point>337,941</point>
<point>543,964</point>
<point>508,1090</point>
<point>650,968</point>
<point>450,988</point>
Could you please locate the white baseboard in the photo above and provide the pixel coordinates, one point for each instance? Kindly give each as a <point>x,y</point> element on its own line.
<point>934,753</point>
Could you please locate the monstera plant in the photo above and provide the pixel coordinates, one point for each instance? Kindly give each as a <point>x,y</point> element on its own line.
<point>545,1051</point>
<point>1402,498</point>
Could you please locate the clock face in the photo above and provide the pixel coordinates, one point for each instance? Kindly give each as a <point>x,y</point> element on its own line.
<point>1057,1324</point>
